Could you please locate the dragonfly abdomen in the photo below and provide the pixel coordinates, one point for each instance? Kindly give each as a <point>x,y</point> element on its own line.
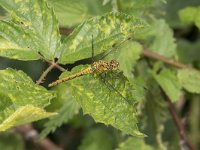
<point>78,74</point>
<point>96,68</point>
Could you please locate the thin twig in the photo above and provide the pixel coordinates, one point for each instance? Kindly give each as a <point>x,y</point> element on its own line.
<point>156,56</point>
<point>44,74</point>
<point>56,65</point>
<point>30,134</point>
<point>177,121</point>
<point>172,109</point>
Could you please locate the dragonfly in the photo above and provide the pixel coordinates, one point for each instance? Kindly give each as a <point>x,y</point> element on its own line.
<point>97,67</point>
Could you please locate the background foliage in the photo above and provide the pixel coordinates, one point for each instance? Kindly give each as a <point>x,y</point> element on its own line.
<point>131,108</point>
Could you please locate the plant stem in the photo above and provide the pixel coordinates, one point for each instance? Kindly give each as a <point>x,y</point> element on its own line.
<point>56,65</point>
<point>156,56</point>
<point>177,121</point>
<point>30,134</point>
<point>44,74</point>
<point>171,108</point>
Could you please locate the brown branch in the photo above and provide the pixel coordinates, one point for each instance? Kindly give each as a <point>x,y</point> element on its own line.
<point>156,56</point>
<point>182,133</point>
<point>56,65</point>
<point>30,134</point>
<point>44,74</point>
<point>177,121</point>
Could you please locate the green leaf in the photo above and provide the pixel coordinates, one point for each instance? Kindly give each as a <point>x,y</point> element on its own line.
<point>33,29</point>
<point>187,51</point>
<point>73,12</point>
<point>189,15</point>
<point>127,56</point>
<point>134,143</point>
<point>171,9</point>
<point>153,110</point>
<point>97,139</point>
<point>17,43</point>
<point>137,7</point>
<point>22,115</point>
<point>66,112</point>
<point>190,80</point>
<point>20,99</point>
<point>109,101</point>
<point>11,141</point>
<point>169,83</point>
<point>107,31</point>
<point>70,12</point>
<point>159,38</point>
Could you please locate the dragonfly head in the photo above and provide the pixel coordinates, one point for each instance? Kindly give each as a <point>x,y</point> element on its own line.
<point>114,64</point>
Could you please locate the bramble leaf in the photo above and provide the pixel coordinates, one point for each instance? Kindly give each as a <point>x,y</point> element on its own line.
<point>70,12</point>
<point>127,56</point>
<point>169,83</point>
<point>69,108</point>
<point>32,30</point>
<point>133,142</point>
<point>97,139</point>
<point>189,15</point>
<point>159,38</point>
<point>153,110</point>
<point>107,31</point>
<point>21,100</point>
<point>108,100</point>
<point>154,115</point>
<point>22,115</point>
<point>190,80</point>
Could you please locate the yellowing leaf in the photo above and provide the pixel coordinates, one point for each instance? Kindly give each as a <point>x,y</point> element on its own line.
<point>33,29</point>
<point>108,31</point>
<point>19,98</point>
<point>24,114</point>
<point>108,100</point>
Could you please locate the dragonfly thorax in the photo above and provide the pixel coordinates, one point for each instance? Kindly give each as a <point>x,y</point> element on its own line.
<point>103,66</point>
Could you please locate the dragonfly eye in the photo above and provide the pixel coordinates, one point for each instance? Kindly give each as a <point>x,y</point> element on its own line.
<point>114,64</point>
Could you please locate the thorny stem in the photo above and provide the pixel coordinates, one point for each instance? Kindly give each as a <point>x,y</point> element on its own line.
<point>156,56</point>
